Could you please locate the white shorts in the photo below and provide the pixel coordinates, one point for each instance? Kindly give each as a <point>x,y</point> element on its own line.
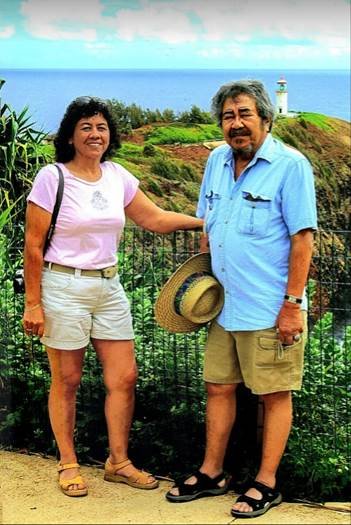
<point>78,308</point>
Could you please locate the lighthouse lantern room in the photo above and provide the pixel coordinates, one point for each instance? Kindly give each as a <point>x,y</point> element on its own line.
<point>282,97</point>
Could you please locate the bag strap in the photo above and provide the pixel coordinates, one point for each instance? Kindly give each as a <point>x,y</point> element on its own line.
<point>56,209</point>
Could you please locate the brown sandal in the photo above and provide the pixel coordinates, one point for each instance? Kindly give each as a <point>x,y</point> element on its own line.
<point>139,481</point>
<point>65,484</point>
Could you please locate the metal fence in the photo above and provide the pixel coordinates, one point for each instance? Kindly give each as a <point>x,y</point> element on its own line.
<point>168,427</point>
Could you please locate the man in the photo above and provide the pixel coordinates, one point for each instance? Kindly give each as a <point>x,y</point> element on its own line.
<point>258,201</point>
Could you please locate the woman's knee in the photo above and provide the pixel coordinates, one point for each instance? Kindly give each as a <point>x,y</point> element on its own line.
<point>122,381</point>
<point>66,368</point>
<point>68,381</point>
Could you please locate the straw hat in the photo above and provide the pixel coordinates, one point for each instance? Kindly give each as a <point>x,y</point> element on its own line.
<point>191,297</point>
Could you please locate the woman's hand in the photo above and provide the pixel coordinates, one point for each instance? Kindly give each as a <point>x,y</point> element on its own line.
<point>33,320</point>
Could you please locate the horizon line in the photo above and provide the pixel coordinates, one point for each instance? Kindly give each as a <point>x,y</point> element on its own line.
<point>168,69</point>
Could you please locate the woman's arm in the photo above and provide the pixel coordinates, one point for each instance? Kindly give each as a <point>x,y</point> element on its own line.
<point>37,225</point>
<point>151,217</point>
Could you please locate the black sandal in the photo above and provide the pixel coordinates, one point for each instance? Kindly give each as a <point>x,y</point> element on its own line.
<point>270,498</point>
<point>204,486</point>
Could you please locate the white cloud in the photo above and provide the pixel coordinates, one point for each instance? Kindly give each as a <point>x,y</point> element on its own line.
<point>173,20</point>
<point>324,24</point>
<point>64,19</point>
<point>7,32</point>
<point>165,22</point>
<point>293,19</point>
<point>268,54</point>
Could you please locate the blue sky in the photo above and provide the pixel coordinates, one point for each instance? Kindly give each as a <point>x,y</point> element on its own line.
<point>226,34</point>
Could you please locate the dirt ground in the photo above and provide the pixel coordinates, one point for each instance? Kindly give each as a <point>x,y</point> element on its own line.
<point>29,494</point>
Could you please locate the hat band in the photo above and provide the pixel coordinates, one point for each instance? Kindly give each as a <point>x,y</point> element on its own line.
<point>184,287</point>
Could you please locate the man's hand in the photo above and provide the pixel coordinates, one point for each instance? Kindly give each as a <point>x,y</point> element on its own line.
<point>204,245</point>
<point>289,323</point>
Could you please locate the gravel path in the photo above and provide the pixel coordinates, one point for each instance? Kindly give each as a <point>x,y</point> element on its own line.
<point>30,495</point>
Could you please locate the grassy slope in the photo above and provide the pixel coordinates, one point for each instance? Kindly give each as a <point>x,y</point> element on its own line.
<point>171,171</point>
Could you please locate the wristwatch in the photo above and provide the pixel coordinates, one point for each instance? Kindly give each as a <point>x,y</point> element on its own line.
<point>292,299</point>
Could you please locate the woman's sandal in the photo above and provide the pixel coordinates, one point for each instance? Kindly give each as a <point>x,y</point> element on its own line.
<point>65,484</point>
<point>204,486</point>
<point>139,481</point>
<point>270,498</point>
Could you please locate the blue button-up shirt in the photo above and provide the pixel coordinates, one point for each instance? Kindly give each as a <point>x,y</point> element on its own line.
<point>250,222</point>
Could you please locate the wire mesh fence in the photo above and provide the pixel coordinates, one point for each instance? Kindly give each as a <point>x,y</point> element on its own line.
<point>168,427</point>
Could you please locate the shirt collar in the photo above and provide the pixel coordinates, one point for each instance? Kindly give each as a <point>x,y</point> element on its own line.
<point>266,152</point>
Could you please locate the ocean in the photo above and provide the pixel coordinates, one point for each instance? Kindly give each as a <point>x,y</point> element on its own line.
<point>48,92</point>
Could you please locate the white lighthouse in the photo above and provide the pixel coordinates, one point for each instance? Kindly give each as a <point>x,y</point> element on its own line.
<point>282,97</point>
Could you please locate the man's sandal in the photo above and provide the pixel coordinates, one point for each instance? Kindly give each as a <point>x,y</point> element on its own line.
<point>204,486</point>
<point>141,480</point>
<point>65,484</point>
<point>270,498</point>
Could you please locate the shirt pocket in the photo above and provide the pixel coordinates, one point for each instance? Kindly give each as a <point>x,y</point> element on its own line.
<point>254,215</point>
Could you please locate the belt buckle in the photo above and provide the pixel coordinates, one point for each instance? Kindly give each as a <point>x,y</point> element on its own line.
<point>109,272</point>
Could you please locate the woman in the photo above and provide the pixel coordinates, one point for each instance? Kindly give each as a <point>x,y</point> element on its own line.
<point>71,298</point>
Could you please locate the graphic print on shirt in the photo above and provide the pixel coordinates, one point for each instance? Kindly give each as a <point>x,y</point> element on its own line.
<point>98,201</point>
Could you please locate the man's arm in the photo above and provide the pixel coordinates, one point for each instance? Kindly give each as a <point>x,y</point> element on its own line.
<point>289,321</point>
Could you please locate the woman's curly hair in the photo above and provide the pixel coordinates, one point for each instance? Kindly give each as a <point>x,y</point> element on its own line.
<point>77,109</point>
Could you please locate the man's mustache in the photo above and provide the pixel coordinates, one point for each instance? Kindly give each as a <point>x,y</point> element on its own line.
<point>238,133</point>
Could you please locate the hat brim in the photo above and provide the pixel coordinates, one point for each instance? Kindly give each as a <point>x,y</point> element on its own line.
<point>165,313</point>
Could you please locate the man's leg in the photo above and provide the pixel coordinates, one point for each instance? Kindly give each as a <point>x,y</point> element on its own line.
<point>220,417</point>
<point>222,376</point>
<point>276,429</point>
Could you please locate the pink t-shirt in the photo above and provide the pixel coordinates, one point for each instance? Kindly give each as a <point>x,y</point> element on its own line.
<point>91,217</point>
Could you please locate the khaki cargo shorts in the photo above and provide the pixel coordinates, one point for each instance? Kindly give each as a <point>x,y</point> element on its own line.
<point>256,358</point>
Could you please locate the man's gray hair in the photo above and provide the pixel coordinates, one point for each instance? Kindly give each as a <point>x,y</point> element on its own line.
<point>252,88</point>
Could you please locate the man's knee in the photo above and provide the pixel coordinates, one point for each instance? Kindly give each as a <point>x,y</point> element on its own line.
<point>276,398</point>
<point>221,390</point>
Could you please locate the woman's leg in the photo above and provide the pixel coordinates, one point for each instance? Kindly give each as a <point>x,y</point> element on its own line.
<point>66,371</point>
<point>120,375</point>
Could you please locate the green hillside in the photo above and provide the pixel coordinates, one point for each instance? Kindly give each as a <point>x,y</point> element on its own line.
<point>169,160</point>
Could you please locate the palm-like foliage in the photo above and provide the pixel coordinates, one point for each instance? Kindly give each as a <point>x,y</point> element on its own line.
<point>21,153</point>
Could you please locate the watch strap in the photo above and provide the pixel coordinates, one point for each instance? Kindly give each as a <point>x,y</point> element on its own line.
<point>292,299</point>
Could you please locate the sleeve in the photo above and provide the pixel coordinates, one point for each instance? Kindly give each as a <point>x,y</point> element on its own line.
<point>130,184</point>
<point>298,197</point>
<point>44,188</point>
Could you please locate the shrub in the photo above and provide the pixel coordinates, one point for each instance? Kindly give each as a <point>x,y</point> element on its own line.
<point>165,169</point>
<point>187,172</point>
<point>316,461</point>
<point>149,150</point>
